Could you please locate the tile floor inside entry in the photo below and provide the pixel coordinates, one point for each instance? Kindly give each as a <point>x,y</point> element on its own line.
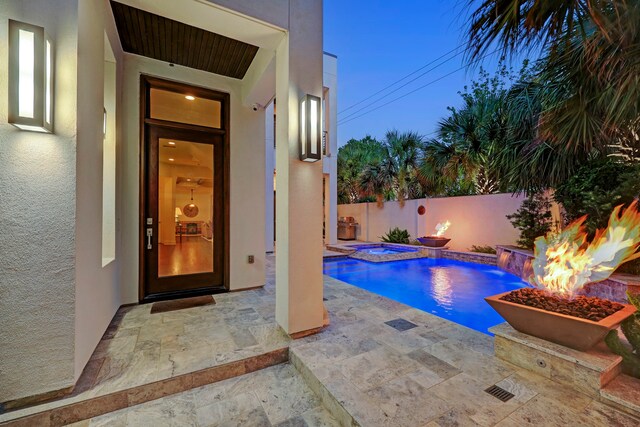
<point>379,363</point>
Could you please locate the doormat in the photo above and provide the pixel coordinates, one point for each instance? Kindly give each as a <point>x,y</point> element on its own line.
<point>180,304</point>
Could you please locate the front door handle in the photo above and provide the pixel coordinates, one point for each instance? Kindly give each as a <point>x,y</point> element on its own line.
<point>149,235</point>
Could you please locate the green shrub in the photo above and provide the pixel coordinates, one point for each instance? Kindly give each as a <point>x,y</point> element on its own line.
<point>395,235</point>
<point>533,219</point>
<point>631,329</point>
<point>595,189</point>
<point>486,249</point>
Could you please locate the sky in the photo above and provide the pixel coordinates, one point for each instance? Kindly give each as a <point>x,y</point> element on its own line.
<point>380,41</point>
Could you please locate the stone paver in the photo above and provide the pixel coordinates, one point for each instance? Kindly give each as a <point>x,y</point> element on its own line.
<point>359,368</point>
<point>276,396</point>
<point>433,374</point>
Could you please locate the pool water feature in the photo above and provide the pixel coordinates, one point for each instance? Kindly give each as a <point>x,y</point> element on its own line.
<point>454,290</point>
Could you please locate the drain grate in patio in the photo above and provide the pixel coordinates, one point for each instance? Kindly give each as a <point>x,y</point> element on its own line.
<point>499,393</point>
<point>180,304</point>
<point>401,324</point>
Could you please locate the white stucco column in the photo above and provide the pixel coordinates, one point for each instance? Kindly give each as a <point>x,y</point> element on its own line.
<point>299,213</point>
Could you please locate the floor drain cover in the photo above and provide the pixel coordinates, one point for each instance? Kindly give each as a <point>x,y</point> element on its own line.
<point>499,393</point>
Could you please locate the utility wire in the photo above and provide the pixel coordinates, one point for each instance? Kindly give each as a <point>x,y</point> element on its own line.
<point>350,118</point>
<point>405,77</point>
<point>400,87</point>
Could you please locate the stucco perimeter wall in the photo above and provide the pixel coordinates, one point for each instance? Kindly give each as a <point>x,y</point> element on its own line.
<point>475,220</point>
<point>37,219</point>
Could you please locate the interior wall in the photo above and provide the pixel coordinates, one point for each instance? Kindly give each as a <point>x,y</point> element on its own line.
<point>97,290</point>
<point>247,167</point>
<point>37,190</point>
<point>166,210</point>
<point>201,199</point>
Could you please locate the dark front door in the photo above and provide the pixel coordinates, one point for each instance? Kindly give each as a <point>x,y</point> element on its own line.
<point>184,226</point>
<point>183,215</point>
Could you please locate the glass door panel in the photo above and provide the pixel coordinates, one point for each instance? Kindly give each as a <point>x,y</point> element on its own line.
<point>185,208</point>
<point>184,212</point>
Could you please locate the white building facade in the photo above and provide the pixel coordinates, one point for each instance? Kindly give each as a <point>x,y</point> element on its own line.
<point>329,160</point>
<point>89,218</point>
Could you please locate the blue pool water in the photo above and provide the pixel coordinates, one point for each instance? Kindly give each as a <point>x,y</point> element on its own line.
<point>451,289</point>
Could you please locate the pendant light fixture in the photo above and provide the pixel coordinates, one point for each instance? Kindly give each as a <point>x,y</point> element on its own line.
<point>191,210</point>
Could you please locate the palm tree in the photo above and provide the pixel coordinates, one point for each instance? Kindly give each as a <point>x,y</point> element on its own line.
<point>460,155</point>
<point>395,171</point>
<point>590,68</point>
<point>352,159</point>
<point>525,161</point>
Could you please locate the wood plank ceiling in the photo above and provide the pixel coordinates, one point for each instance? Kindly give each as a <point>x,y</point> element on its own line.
<point>144,33</point>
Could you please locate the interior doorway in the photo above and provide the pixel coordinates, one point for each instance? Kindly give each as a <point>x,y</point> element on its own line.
<point>184,215</point>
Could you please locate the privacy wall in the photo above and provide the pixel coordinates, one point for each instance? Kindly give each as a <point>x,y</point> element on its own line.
<point>475,220</point>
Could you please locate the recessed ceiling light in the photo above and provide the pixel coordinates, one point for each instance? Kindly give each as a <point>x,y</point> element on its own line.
<point>190,97</point>
<point>171,159</point>
<point>172,143</point>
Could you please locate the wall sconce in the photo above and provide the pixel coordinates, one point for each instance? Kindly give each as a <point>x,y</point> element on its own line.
<point>310,132</point>
<point>30,78</point>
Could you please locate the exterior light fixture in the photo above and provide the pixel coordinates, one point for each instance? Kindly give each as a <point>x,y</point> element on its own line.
<point>310,132</point>
<point>30,78</point>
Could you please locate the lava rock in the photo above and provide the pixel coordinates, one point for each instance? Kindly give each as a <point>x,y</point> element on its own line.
<point>590,308</point>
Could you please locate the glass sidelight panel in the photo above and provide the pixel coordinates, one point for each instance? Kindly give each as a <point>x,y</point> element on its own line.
<point>185,208</point>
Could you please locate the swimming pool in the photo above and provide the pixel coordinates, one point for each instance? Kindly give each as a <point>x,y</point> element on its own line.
<point>454,290</point>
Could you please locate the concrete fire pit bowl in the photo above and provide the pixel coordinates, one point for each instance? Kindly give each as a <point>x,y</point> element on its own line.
<point>433,241</point>
<point>573,332</point>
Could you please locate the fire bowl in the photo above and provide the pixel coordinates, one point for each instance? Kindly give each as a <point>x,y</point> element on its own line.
<point>433,241</point>
<point>574,332</point>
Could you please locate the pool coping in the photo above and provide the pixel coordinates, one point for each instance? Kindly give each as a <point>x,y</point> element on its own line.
<point>417,252</point>
<point>350,251</point>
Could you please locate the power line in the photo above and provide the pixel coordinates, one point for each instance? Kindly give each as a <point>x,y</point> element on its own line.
<point>405,77</point>
<point>400,87</point>
<point>350,118</point>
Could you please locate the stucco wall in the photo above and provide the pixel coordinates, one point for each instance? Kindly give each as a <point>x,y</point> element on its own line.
<point>299,212</point>
<point>475,220</point>
<point>247,158</point>
<point>37,192</point>
<point>330,162</point>
<point>97,289</point>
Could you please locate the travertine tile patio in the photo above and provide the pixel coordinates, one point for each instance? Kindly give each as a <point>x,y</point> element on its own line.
<point>361,368</point>
<point>276,396</point>
<point>372,374</point>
